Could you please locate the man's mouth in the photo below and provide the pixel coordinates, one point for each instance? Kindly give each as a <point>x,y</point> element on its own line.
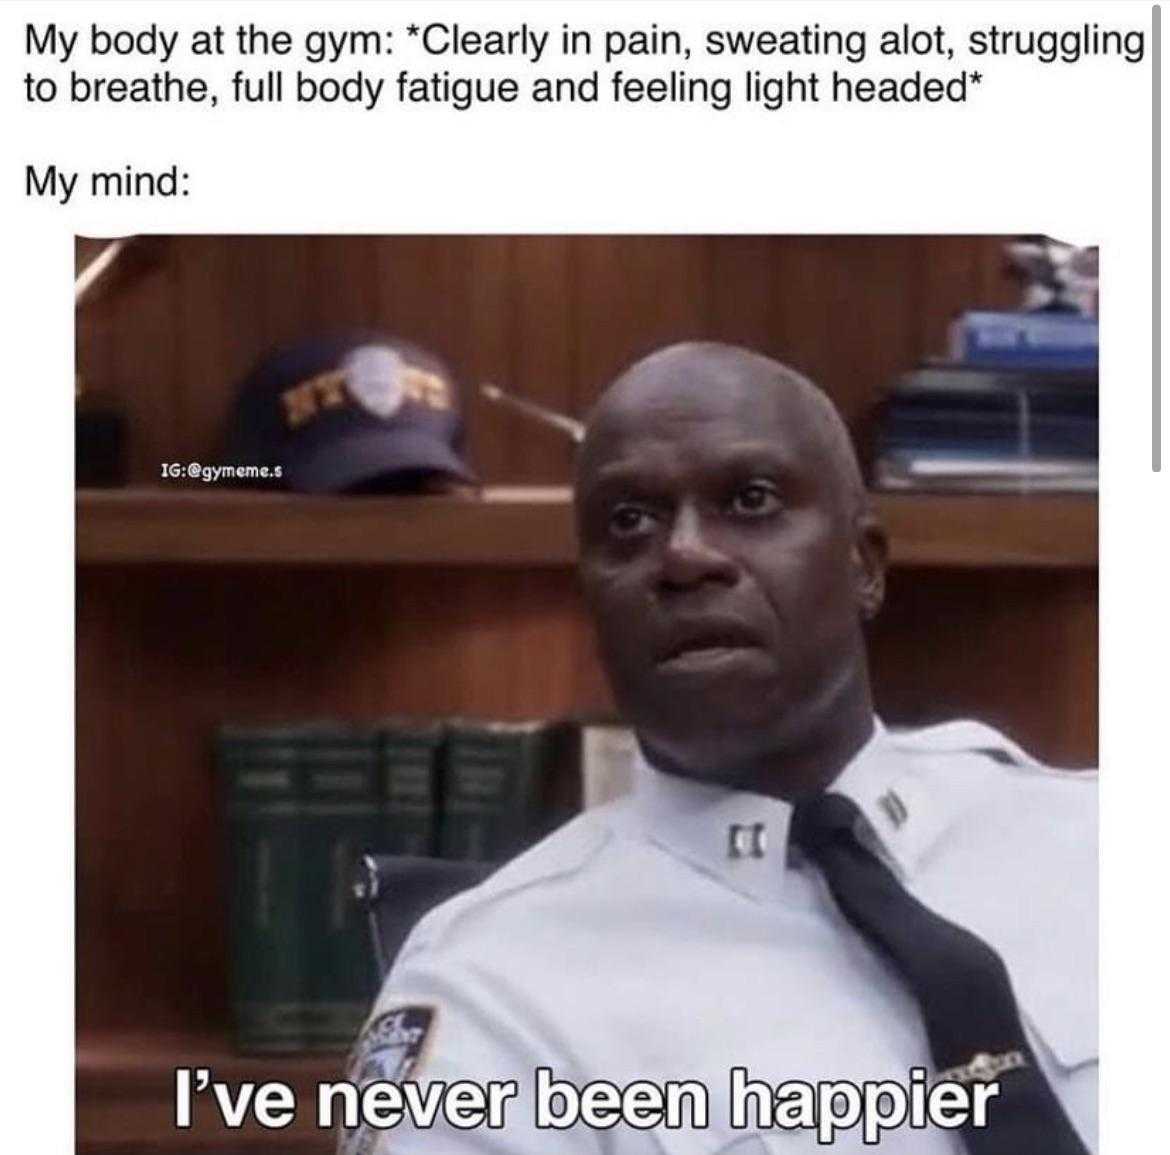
<point>706,645</point>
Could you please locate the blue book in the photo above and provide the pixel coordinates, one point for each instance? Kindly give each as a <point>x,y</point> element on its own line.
<point>1021,340</point>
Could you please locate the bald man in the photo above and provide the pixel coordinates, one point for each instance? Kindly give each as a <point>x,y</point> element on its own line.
<point>807,928</point>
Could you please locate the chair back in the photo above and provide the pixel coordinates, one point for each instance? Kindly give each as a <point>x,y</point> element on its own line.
<point>396,890</point>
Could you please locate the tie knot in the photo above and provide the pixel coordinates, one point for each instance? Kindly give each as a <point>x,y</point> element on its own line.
<point>822,819</point>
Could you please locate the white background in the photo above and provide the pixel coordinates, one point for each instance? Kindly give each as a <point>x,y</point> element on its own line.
<point>1057,149</point>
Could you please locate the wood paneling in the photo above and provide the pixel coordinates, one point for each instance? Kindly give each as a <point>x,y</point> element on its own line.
<point>1014,648</point>
<point>552,317</point>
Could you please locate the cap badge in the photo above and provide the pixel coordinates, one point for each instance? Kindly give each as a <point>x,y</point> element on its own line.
<point>374,379</point>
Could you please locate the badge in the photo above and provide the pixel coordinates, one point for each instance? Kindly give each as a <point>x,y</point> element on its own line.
<point>389,1050</point>
<point>374,379</point>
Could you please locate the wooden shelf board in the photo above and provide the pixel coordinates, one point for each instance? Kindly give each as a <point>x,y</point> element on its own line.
<point>146,526</point>
<point>1001,530</point>
<point>135,526</point>
<point>125,1089</point>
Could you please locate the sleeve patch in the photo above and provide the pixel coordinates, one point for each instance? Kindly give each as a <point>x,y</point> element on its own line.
<point>391,1045</point>
<point>390,1049</point>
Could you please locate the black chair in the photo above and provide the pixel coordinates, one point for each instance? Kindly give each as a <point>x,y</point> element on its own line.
<point>397,890</point>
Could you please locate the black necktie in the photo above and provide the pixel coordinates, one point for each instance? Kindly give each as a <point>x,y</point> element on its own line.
<point>961,985</point>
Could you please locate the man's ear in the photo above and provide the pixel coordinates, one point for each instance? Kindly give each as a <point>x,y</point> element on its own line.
<point>870,553</point>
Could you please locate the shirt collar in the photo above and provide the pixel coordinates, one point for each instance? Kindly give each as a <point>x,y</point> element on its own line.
<point>741,838</point>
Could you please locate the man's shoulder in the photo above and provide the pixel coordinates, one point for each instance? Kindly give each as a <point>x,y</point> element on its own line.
<point>967,753</point>
<point>965,736</point>
<point>992,795</point>
<point>1011,854</point>
<point>538,876</point>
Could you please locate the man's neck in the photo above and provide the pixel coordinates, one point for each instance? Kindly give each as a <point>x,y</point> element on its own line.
<point>806,759</point>
<point>815,760</point>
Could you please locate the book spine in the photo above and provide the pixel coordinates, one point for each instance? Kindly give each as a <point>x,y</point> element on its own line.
<point>410,768</point>
<point>1025,340</point>
<point>261,785</point>
<point>340,820</point>
<point>491,791</point>
<point>608,758</point>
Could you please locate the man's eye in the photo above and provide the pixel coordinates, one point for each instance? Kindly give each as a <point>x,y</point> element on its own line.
<point>629,520</point>
<point>756,499</point>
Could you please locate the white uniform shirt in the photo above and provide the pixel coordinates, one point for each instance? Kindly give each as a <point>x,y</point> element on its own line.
<point>632,944</point>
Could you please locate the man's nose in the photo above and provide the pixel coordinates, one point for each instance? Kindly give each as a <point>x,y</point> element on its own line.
<point>690,558</point>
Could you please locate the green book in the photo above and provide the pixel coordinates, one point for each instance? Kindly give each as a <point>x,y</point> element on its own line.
<point>261,786</point>
<point>409,756</point>
<point>340,818</point>
<point>502,786</point>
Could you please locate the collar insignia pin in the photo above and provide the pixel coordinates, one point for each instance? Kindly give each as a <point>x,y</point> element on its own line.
<point>746,841</point>
<point>894,808</point>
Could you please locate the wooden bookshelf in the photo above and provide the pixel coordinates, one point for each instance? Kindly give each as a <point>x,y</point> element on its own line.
<point>516,528</point>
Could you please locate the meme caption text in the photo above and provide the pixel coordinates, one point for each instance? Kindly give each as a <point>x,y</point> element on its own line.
<point>825,1107</point>
<point>457,66</point>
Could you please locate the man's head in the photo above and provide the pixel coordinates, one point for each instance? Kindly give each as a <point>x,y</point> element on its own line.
<point>729,557</point>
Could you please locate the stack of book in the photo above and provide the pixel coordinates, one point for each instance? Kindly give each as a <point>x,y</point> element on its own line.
<point>304,801</point>
<point>1015,409</point>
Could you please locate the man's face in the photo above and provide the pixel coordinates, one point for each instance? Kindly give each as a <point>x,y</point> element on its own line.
<point>720,559</point>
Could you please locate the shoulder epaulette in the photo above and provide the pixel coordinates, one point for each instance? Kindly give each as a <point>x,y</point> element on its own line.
<point>964,736</point>
<point>967,736</point>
